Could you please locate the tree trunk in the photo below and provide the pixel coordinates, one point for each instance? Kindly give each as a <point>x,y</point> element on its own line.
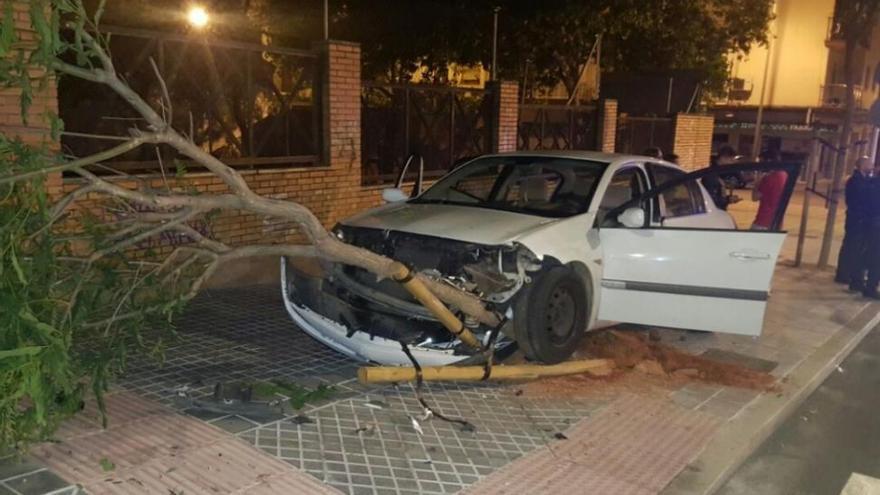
<point>842,153</point>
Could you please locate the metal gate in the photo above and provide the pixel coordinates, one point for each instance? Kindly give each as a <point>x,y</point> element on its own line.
<point>442,124</point>
<point>557,127</point>
<point>248,104</point>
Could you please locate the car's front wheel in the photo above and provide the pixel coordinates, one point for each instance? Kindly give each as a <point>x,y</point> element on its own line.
<point>551,316</point>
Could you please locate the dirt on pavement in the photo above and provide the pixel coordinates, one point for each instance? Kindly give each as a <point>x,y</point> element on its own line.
<point>659,366</point>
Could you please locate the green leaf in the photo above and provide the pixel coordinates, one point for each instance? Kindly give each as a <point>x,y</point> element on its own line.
<point>15,266</point>
<point>180,169</point>
<point>56,125</point>
<point>99,12</point>
<point>31,350</point>
<point>107,465</point>
<point>7,30</point>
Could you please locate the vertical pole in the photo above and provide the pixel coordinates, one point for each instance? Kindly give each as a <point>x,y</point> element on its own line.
<point>326,20</point>
<point>805,210</point>
<point>406,150</point>
<point>451,127</point>
<point>495,43</point>
<point>759,120</point>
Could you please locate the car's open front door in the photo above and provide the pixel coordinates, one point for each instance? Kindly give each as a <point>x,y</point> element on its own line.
<point>693,278</point>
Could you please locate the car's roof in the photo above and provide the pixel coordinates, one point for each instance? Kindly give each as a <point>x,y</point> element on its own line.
<point>599,156</point>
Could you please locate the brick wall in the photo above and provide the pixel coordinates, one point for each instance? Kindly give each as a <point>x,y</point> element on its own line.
<point>506,123</point>
<point>36,130</point>
<point>608,127</point>
<point>692,140</point>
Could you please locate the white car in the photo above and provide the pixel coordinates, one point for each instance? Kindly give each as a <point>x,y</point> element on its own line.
<point>556,242</point>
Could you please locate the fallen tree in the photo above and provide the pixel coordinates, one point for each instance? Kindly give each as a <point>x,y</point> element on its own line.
<point>75,301</point>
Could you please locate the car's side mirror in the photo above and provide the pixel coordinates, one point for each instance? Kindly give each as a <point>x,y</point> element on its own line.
<point>633,218</point>
<point>393,195</point>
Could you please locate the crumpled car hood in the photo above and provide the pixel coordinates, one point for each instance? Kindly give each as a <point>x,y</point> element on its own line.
<point>463,223</point>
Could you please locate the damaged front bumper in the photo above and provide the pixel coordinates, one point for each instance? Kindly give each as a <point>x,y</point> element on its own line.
<point>366,324</point>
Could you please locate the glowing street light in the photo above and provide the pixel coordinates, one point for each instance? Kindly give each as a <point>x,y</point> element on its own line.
<point>197,17</point>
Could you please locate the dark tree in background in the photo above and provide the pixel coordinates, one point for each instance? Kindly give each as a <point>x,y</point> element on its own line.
<point>546,41</point>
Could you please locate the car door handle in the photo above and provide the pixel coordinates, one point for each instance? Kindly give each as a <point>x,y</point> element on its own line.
<point>749,255</point>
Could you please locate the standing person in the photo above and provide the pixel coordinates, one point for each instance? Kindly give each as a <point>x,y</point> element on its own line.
<point>768,193</point>
<point>871,253</point>
<point>851,260</point>
<point>714,184</point>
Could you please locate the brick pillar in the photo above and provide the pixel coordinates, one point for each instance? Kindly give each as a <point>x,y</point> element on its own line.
<point>341,130</point>
<point>607,134</point>
<point>341,104</point>
<point>505,123</point>
<point>692,140</point>
<point>34,131</point>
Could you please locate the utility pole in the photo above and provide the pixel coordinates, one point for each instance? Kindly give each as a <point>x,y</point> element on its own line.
<point>759,120</point>
<point>495,42</point>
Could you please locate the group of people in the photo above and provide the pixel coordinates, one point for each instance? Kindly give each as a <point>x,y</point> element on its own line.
<point>858,264</point>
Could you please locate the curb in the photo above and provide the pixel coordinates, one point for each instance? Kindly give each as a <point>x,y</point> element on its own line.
<point>744,433</point>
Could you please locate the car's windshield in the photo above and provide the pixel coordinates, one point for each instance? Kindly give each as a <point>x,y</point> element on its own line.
<point>538,185</point>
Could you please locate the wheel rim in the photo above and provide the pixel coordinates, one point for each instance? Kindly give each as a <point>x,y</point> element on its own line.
<point>561,312</point>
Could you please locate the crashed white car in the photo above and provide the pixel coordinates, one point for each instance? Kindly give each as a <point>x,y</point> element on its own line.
<point>556,242</point>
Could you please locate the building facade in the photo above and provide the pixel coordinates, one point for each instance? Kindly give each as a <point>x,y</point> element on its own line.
<point>800,78</point>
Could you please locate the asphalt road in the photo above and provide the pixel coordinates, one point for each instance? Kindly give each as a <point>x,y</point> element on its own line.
<point>835,433</point>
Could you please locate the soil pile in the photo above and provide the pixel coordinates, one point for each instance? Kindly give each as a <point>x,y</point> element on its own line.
<point>660,366</point>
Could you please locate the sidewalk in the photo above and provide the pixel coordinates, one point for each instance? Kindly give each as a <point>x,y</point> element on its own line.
<point>635,435</point>
<point>620,439</point>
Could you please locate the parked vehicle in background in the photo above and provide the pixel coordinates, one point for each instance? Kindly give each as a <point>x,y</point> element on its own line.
<point>557,243</point>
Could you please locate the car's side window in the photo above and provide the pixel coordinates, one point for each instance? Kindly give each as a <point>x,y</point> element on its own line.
<point>626,184</point>
<point>680,201</point>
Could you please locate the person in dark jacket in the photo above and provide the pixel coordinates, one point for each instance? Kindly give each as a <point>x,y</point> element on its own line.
<point>714,184</point>
<point>871,253</point>
<point>851,262</point>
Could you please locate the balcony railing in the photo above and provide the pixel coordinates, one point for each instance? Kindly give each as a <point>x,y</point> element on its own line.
<point>738,90</point>
<point>832,31</point>
<point>834,95</point>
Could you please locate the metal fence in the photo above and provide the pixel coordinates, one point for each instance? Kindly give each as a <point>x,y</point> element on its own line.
<point>250,105</point>
<point>442,124</point>
<point>636,134</point>
<point>557,127</point>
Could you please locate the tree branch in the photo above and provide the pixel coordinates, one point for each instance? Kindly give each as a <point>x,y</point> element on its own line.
<point>115,151</point>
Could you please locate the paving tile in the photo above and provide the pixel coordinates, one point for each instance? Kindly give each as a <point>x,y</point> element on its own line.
<point>38,483</point>
<point>14,466</point>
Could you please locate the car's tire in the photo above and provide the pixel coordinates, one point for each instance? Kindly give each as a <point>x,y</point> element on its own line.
<point>550,317</point>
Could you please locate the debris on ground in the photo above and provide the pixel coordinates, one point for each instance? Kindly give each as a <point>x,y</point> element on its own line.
<point>300,419</point>
<point>417,426</point>
<point>659,366</point>
<point>632,350</point>
<point>376,404</point>
<point>107,464</point>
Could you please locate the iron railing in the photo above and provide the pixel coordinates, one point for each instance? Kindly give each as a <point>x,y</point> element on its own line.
<point>251,105</point>
<point>557,127</point>
<point>834,95</point>
<point>444,125</point>
<point>637,134</point>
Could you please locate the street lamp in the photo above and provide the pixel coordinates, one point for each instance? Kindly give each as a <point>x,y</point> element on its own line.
<point>197,17</point>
